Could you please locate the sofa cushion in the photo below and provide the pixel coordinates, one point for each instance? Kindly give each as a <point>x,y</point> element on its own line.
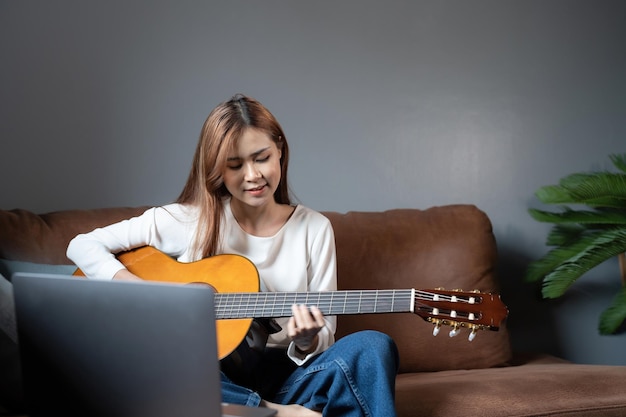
<point>537,385</point>
<point>448,246</point>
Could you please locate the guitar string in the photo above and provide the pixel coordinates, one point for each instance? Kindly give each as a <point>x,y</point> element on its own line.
<point>356,296</point>
<point>423,294</point>
<point>379,298</point>
<point>332,296</point>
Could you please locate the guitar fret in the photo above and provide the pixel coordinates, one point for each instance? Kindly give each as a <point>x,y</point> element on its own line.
<point>278,304</point>
<point>360,299</point>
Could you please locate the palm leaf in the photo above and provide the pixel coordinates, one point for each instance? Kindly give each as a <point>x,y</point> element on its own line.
<point>543,266</point>
<point>580,216</point>
<point>582,239</point>
<point>601,246</point>
<point>604,189</point>
<point>564,234</point>
<point>553,194</point>
<point>619,160</point>
<point>612,318</point>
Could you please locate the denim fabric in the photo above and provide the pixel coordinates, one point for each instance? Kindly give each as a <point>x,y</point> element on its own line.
<point>353,378</point>
<point>236,394</point>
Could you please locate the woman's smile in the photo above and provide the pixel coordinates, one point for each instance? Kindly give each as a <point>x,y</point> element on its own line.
<point>257,191</point>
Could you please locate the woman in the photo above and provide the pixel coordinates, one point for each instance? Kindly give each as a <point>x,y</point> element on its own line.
<point>236,200</point>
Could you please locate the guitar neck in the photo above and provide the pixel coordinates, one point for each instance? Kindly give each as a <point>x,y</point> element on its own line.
<point>331,303</point>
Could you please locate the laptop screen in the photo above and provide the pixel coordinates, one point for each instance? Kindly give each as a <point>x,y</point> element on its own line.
<point>116,348</point>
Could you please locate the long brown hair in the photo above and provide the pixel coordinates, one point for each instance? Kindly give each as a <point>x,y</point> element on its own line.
<point>205,187</point>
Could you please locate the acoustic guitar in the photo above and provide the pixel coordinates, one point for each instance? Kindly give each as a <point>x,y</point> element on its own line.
<point>238,300</point>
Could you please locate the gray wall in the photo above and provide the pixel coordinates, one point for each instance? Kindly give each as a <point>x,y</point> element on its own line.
<point>385,104</point>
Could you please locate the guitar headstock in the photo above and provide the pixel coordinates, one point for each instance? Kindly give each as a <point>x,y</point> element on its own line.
<point>473,310</point>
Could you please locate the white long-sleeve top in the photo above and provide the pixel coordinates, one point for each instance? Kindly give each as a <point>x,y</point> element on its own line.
<point>299,257</point>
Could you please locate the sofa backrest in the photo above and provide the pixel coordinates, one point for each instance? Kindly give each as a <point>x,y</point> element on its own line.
<point>43,238</point>
<point>449,246</point>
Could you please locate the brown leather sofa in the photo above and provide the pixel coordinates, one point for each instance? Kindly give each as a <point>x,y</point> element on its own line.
<point>449,247</point>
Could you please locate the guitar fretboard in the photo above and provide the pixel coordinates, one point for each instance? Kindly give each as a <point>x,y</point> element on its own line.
<point>333,303</point>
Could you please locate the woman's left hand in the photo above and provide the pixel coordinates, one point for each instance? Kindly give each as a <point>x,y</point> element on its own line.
<point>303,327</point>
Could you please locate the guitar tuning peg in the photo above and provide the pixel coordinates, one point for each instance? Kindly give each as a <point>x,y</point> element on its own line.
<point>473,333</point>
<point>455,330</point>
<point>437,328</point>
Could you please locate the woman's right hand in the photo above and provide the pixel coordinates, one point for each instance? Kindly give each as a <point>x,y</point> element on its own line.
<point>125,274</point>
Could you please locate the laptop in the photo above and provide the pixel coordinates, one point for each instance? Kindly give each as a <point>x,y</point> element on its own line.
<point>119,349</point>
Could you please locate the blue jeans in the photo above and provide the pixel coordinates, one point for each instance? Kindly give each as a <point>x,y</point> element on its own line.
<point>355,377</point>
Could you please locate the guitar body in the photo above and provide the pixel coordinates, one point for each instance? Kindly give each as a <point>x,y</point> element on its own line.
<point>225,273</point>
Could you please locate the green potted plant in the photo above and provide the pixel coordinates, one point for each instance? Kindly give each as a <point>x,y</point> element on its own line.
<point>585,235</point>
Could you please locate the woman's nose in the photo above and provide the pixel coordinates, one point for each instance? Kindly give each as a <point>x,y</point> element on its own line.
<point>252,172</point>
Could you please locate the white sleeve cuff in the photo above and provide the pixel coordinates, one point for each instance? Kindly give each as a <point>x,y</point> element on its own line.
<point>325,339</point>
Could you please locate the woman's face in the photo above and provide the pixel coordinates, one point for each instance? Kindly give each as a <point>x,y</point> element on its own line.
<point>253,169</point>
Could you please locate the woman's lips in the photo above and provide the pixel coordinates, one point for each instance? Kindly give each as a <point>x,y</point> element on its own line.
<point>256,190</point>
